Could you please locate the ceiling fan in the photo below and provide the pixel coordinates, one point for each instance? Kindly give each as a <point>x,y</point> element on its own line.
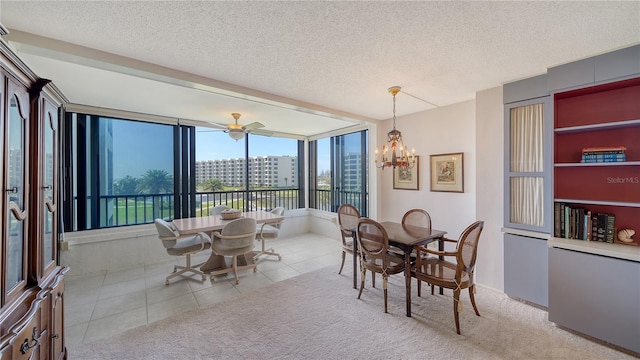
<point>237,131</point>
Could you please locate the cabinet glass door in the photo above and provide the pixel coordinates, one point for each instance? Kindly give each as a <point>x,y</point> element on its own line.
<point>525,169</point>
<point>15,160</point>
<point>49,163</point>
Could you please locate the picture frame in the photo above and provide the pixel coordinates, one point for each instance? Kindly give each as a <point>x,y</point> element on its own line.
<point>447,172</point>
<point>407,179</point>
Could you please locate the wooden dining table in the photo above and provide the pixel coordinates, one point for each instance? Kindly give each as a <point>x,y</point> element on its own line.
<point>404,237</point>
<point>211,223</point>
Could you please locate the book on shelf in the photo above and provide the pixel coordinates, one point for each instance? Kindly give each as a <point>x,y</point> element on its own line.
<point>587,225</point>
<point>557,222</point>
<point>602,227</point>
<point>604,149</point>
<point>604,158</point>
<point>604,154</point>
<point>611,228</point>
<point>594,227</point>
<point>576,222</point>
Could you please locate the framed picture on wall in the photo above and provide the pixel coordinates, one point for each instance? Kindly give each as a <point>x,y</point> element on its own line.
<point>447,172</point>
<point>405,178</point>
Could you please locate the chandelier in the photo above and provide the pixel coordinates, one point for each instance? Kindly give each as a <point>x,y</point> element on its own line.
<point>399,156</point>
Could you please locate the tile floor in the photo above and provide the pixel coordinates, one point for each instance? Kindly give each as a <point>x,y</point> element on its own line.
<point>102,305</point>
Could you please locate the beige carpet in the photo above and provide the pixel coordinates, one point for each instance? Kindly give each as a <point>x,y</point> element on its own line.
<point>317,316</point>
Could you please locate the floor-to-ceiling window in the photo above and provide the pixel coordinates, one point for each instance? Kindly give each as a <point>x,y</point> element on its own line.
<point>253,173</point>
<point>117,171</point>
<point>339,172</point>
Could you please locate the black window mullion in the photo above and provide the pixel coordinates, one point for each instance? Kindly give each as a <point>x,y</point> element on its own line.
<point>364,183</point>
<point>94,166</point>
<point>177,203</point>
<point>300,174</point>
<point>246,172</point>
<point>192,171</point>
<point>313,174</point>
<point>184,172</point>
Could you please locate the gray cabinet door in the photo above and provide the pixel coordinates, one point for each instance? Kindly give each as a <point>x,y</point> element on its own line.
<point>526,268</point>
<point>596,295</point>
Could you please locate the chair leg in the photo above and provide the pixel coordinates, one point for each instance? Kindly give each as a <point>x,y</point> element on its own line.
<point>384,286</point>
<point>363,273</point>
<point>265,251</point>
<point>419,287</point>
<point>342,265</point>
<point>235,268</point>
<point>373,279</point>
<point>472,290</point>
<point>456,301</point>
<point>184,269</point>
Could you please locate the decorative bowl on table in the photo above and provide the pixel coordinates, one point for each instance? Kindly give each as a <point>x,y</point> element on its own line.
<point>230,214</point>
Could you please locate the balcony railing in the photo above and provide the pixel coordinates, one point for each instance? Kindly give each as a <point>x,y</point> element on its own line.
<point>122,210</point>
<point>257,199</point>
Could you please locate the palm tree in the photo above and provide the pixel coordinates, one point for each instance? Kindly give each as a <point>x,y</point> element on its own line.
<point>128,185</point>
<point>155,182</point>
<point>212,185</point>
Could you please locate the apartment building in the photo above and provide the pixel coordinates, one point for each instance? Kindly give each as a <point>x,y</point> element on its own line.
<point>268,171</point>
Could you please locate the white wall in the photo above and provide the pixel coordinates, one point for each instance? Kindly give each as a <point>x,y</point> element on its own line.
<point>476,129</point>
<point>448,129</point>
<point>490,179</point>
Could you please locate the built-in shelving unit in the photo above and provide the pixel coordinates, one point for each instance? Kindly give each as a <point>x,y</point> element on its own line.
<point>599,116</point>
<point>584,275</point>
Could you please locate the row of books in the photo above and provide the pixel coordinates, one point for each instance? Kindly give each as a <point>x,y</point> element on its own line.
<point>573,222</point>
<point>604,154</point>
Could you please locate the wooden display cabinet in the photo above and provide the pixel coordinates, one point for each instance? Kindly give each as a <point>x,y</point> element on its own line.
<point>32,281</point>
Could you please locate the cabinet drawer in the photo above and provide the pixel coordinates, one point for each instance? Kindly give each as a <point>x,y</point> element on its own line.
<point>27,342</point>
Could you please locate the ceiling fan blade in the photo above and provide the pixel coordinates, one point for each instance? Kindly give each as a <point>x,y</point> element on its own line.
<point>217,126</point>
<point>253,126</point>
<point>262,132</point>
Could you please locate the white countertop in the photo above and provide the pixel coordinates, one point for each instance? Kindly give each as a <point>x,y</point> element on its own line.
<point>619,251</point>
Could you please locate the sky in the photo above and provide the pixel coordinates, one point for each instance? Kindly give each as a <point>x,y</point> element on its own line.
<point>134,154</point>
<point>216,144</point>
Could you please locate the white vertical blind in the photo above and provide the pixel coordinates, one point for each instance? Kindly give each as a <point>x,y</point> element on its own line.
<point>526,200</point>
<point>527,138</point>
<point>527,156</point>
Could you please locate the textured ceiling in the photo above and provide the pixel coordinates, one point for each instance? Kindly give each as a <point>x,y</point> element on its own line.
<point>307,59</point>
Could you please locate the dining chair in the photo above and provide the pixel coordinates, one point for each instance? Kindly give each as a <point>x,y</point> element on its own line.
<point>235,239</point>
<point>417,217</point>
<point>269,231</point>
<point>373,247</point>
<point>456,275</point>
<point>348,217</point>
<point>178,245</point>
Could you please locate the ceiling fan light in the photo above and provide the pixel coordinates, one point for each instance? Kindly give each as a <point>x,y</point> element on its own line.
<point>236,134</point>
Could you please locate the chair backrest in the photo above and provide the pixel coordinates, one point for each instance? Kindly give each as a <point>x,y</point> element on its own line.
<point>417,217</point>
<point>373,241</point>
<point>167,234</point>
<point>468,248</point>
<point>277,211</point>
<point>241,233</point>
<point>216,210</point>
<point>348,217</point>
